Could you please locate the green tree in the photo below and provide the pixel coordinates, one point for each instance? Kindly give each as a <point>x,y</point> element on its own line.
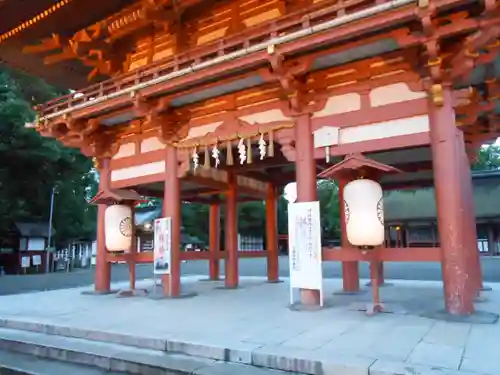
<point>195,220</point>
<point>328,196</point>
<point>488,158</point>
<point>150,202</point>
<point>252,215</point>
<point>32,165</point>
<point>252,218</point>
<point>282,215</point>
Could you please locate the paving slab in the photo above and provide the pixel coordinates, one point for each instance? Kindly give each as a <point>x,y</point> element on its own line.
<point>254,326</point>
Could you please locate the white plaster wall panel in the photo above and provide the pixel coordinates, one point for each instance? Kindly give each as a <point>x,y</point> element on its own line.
<point>340,104</point>
<point>138,171</point>
<point>395,93</point>
<point>151,144</point>
<point>200,131</point>
<point>326,136</point>
<point>272,115</point>
<point>386,129</point>
<point>127,149</point>
<point>36,243</point>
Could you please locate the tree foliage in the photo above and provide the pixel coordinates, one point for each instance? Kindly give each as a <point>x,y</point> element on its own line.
<point>252,215</point>
<point>488,158</point>
<point>32,165</point>
<point>328,196</point>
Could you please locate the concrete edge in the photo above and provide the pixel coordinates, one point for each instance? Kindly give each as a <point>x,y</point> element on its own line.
<point>108,359</point>
<point>88,334</point>
<point>241,353</point>
<point>220,353</point>
<point>283,359</point>
<point>25,364</point>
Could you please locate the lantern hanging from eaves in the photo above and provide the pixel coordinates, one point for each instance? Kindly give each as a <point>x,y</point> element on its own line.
<point>364,213</point>
<point>118,227</point>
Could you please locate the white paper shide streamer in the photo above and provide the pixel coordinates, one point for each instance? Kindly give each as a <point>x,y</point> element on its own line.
<point>216,155</point>
<point>196,158</point>
<point>242,151</point>
<point>262,147</point>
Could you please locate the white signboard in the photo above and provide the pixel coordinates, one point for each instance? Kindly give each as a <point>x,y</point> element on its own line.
<point>25,262</point>
<point>304,244</point>
<point>162,246</point>
<point>37,260</point>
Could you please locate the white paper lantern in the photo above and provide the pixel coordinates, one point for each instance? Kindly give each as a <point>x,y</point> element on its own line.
<point>118,227</point>
<point>364,213</point>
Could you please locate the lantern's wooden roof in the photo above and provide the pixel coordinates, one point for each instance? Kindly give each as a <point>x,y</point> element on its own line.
<point>356,164</point>
<point>112,196</point>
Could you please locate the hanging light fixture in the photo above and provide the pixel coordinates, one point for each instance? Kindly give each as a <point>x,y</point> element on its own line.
<point>364,213</point>
<point>118,227</point>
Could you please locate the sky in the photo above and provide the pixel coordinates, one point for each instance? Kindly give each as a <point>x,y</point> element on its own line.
<point>290,192</point>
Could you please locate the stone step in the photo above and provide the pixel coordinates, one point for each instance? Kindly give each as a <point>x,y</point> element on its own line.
<point>24,364</point>
<point>115,357</point>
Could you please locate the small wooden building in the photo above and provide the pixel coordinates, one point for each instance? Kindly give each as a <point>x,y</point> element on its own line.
<point>411,219</point>
<point>23,248</point>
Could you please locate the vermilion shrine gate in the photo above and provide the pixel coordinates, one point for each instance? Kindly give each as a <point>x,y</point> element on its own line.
<point>225,101</point>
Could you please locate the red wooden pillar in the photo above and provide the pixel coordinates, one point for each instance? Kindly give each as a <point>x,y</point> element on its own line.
<point>272,234</point>
<point>172,208</point>
<point>103,268</point>
<point>231,239</point>
<point>381,273</point>
<point>447,181</point>
<point>470,229</point>
<point>213,241</point>
<point>305,170</point>
<point>350,270</point>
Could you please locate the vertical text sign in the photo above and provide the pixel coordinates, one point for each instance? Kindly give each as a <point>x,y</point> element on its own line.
<point>162,246</point>
<point>304,237</point>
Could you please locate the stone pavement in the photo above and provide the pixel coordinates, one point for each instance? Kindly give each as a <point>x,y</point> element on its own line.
<point>254,325</point>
